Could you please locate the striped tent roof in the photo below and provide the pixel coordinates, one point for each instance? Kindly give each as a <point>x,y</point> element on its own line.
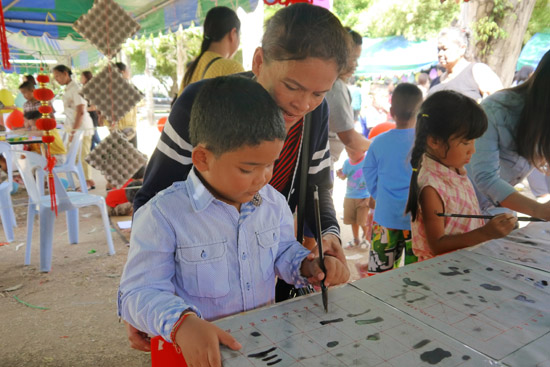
<point>42,29</point>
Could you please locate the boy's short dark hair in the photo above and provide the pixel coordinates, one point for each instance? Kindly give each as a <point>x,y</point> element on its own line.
<point>405,101</point>
<point>230,112</point>
<point>28,85</point>
<point>120,66</point>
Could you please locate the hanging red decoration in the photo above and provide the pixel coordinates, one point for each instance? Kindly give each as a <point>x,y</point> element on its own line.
<point>4,40</point>
<point>46,123</point>
<point>286,2</point>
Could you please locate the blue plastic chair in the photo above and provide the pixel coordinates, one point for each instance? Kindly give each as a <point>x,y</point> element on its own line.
<point>73,164</point>
<point>6,206</point>
<point>31,166</point>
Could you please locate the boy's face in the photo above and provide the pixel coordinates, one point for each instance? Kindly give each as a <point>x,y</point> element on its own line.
<point>235,177</point>
<point>27,93</point>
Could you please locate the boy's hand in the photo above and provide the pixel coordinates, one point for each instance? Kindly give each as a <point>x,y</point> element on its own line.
<point>138,339</point>
<point>337,273</point>
<point>500,225</point>
<point>332,247</point>
<point>200,340</point>
<point>340,174</point>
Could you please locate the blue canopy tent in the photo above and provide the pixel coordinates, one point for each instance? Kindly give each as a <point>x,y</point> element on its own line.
<point>43,28</point>
<point>533,50</point>
<point>393,55</point>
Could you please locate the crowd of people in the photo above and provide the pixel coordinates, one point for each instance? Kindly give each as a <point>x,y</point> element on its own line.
<point>229,189</point>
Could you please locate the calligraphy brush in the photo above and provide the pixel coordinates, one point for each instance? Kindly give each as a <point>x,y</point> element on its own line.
<point>525,219</point>
<point>324,291</point>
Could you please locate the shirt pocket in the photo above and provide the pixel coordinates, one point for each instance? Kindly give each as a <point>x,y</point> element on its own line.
<point>204,269</point>
<point>268,244</point>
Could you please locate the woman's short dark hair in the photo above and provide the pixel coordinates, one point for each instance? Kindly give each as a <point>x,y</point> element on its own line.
<point>63,69</point>
<point>303,30</point>
<point>88,75</point>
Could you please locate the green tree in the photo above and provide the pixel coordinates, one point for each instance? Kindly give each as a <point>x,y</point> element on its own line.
<point>349,11</point>
<point>540,20</point>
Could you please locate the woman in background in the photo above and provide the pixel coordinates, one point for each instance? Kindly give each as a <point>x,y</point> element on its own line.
<point>219,44</point>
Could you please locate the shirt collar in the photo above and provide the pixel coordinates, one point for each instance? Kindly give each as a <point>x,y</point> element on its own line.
<point>198,193</point>
<point>200,196</point>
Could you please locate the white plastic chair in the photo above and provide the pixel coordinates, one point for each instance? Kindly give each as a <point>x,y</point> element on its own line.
<point>6,206</point>
<point>73,164</point>
<point>31,166</point>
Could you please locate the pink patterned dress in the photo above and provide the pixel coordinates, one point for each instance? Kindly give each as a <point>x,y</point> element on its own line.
<point>458,196</point>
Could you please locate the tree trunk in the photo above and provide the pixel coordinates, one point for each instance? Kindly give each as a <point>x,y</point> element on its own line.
<point>502,53</point>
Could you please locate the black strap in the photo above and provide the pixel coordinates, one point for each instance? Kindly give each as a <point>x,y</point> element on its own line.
<point>209,65</point>
<point>302,193</point>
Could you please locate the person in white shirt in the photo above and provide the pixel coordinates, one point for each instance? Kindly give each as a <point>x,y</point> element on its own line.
<point>76,116</point>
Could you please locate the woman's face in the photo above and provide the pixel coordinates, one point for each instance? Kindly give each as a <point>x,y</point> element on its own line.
<point>449,52</point>
<point>353,62</point>
<point>62,78</point>
<point>297,86</point>
<point>83,79</point>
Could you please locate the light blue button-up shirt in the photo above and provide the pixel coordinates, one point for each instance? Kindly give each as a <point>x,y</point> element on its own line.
<point>189,250</point>
<point>496,166</point>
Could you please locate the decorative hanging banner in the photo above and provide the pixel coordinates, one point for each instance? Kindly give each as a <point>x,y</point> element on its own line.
<point>4,40</point>
<point>47,123</point>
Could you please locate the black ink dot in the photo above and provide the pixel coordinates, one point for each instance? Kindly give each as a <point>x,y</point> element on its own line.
<point>489,269</point>
<point>465,357</point>
<point>255,333</point>
<point>332,344</point>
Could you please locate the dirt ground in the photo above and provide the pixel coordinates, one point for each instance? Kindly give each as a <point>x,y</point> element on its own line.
<point>79,325</point>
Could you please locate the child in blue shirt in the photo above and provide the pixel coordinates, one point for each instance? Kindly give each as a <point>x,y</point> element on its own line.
<point>356,201</point>
<point>387,171</point>
<point>213,245</point>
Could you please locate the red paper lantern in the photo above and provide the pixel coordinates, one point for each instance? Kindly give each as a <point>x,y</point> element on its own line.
<point>48,139</point>
<point>46,124</point>
<point>45,109</point>
<point>15,120</point>
<point>42,78</point>
<point>43,94</point>
<point>161,122</point>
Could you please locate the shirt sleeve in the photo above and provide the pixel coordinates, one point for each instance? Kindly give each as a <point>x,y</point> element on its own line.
<point>171,160</point>
<point>78,99</point>
<point>341,112</point>
<point>291,253</point>
<point>370,170</point>
<point>319,174</point>
<point>485,163</point>
<point>146,293</point>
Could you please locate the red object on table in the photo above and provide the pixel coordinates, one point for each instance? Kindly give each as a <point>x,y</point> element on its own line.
<point>163,354</point>
<point>15,120</point>
<point>381,128</point>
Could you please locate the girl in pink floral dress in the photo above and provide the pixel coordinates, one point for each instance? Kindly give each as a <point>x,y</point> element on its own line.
<point>446,128</point>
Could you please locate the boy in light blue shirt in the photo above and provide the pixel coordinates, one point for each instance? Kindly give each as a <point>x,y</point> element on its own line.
<point>213,245</point>
<point>387,171</point>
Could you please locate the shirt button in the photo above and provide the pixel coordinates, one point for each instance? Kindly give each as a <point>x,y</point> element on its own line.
<point>203,254</point>
<point>247,286</point>
<point>244,256</point>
